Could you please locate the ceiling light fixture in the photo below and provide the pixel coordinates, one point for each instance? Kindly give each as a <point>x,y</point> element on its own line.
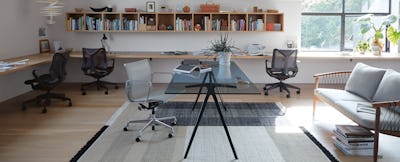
<point>54,8</point>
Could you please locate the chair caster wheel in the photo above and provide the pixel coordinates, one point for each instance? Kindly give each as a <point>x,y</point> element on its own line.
<point>44,111</point>
<point>288,96</point>
<point>298,92</point>
<point>173,123</point>
<point>69,103</point>
<point>116,87</point>
<point>106,92</point>
<point>138,139</point>
<point>266,93</point>
<point>153,127</point>
<point>265,88</point>
<point>125,129</point>
<point>83,93</point>
<point>170,135</point>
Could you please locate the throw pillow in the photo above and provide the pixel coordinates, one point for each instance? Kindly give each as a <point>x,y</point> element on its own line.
<point>389,88</point>
<point>364,80</point>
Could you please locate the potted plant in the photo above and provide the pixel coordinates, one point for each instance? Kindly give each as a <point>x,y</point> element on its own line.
<point>367,23</point>
<point>223,47</point>
<point>362,46</point>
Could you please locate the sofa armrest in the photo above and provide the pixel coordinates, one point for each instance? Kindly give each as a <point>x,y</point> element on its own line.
<point>335,80</point>
<point>386,121</point>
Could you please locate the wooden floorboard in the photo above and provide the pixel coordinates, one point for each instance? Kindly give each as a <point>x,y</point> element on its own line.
<point>58,135</point>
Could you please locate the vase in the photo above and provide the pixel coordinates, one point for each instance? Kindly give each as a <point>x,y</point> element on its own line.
<point>376,47</point>
<point>224,58</point>
<point>224,72</point>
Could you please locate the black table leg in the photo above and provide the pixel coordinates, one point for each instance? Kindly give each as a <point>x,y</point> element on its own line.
<point>201,88</point>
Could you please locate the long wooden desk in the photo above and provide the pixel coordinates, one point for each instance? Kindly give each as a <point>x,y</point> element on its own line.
<point>34,60</point>
<point>38,59</point>
<point>158,55</point>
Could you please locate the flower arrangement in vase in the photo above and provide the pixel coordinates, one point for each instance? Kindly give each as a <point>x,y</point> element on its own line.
<point>223,47</point>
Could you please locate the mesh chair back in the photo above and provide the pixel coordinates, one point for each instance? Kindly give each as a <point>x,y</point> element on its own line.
<point>139,83</point>
<point>94,58</point>
<point>284,61</point>
<point>58,65</point>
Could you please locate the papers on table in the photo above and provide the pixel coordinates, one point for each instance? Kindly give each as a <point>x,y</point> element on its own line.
<point>8,65</point>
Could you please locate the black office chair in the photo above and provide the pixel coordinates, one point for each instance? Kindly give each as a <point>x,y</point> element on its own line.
<point>96,65</point>
<point>47,82</point>
<point>283,66</point>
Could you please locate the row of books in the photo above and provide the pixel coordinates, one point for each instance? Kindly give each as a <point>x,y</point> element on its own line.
<point>219,24</point>
<point>131,25</point>
<point>256,25</point>
<point>183,24</point>
<point>111,24</point>
<point>206,23</point>
<point>75,23</point>
<point>354,140</point>
<point>93,23</point>
<point>238,25</point>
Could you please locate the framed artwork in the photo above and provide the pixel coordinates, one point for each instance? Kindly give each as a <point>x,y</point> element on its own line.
<point>42,32</point>
<point>150,6</point>
<point>44,45</point>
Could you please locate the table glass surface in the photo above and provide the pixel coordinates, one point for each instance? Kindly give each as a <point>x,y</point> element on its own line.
<point>224,75</point>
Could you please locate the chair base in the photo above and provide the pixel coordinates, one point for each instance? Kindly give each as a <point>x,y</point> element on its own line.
<point>153,120</point>
<point>281,86</point>
<point>99,84</point>
<point>45,100</point>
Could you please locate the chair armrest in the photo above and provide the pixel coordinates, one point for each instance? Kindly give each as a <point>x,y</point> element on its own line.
<point>336,79</point>
<point>390,118</point>
<point>137,89</point>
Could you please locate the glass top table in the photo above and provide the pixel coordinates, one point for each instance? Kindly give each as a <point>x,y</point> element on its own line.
<point>229,75</point>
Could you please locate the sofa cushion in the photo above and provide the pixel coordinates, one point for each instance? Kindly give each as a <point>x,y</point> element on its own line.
<point>389,88</point>
<point>364,80</point>
<point>335,95</point>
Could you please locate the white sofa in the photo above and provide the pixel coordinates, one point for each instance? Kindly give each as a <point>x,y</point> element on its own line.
<point>365,95</point>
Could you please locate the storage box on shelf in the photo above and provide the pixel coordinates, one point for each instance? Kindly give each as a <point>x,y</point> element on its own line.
<point>173,21</point>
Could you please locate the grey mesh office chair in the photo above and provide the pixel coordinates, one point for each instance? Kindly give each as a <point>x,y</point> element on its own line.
<point>283,66</point>
<point>139,89</point>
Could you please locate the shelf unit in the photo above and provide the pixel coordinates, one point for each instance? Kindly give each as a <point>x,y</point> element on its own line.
<point>174,22</point>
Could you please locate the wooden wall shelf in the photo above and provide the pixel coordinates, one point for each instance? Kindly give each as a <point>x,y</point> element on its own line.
<point>174,22</point>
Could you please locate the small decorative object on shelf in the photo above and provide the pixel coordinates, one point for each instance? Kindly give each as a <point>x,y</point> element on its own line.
<point>186,9</point>
<point>209,7</point>
<point>197,27</point>
<point>255,9</point>
<point>130,9</point>
<point>98,9</point>
<point>78,9</point>
<point>272,11</point>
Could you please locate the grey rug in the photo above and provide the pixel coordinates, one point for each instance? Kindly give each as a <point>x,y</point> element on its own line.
<point>252,143</point>
<point>237,114</point>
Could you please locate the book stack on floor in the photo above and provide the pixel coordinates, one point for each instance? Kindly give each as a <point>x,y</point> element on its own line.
<point>354,140</point>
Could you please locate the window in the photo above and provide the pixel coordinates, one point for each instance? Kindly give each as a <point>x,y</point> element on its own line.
<point>327,25</point>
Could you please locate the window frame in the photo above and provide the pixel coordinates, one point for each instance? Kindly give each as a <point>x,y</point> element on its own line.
<point>343,14</point>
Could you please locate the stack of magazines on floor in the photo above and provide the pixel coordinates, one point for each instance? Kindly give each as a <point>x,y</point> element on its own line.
<point>354,140</point>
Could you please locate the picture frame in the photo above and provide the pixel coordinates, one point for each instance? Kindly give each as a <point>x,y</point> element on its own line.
<point>44,45</point>
<point>150,6</point>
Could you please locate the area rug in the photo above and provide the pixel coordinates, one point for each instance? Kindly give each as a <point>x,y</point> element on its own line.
<point>262,141</point>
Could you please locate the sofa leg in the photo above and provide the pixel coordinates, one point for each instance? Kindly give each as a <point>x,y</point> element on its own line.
<point>376,143</point>
<point>314,105</point>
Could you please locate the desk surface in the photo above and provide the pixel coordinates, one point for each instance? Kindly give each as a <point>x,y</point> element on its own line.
<point>34,59</point>
<point>224,75</point>
<point>158,55</point>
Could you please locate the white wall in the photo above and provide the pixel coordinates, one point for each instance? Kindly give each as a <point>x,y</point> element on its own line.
<point>20,21</point>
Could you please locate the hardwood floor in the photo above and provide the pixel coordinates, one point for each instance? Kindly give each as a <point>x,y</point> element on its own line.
<point>58,135</point>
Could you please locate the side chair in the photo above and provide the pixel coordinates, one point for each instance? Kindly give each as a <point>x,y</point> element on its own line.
<point>139,89</point>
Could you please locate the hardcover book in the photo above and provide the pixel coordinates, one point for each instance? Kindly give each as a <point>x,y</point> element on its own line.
<point>350,131</point>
